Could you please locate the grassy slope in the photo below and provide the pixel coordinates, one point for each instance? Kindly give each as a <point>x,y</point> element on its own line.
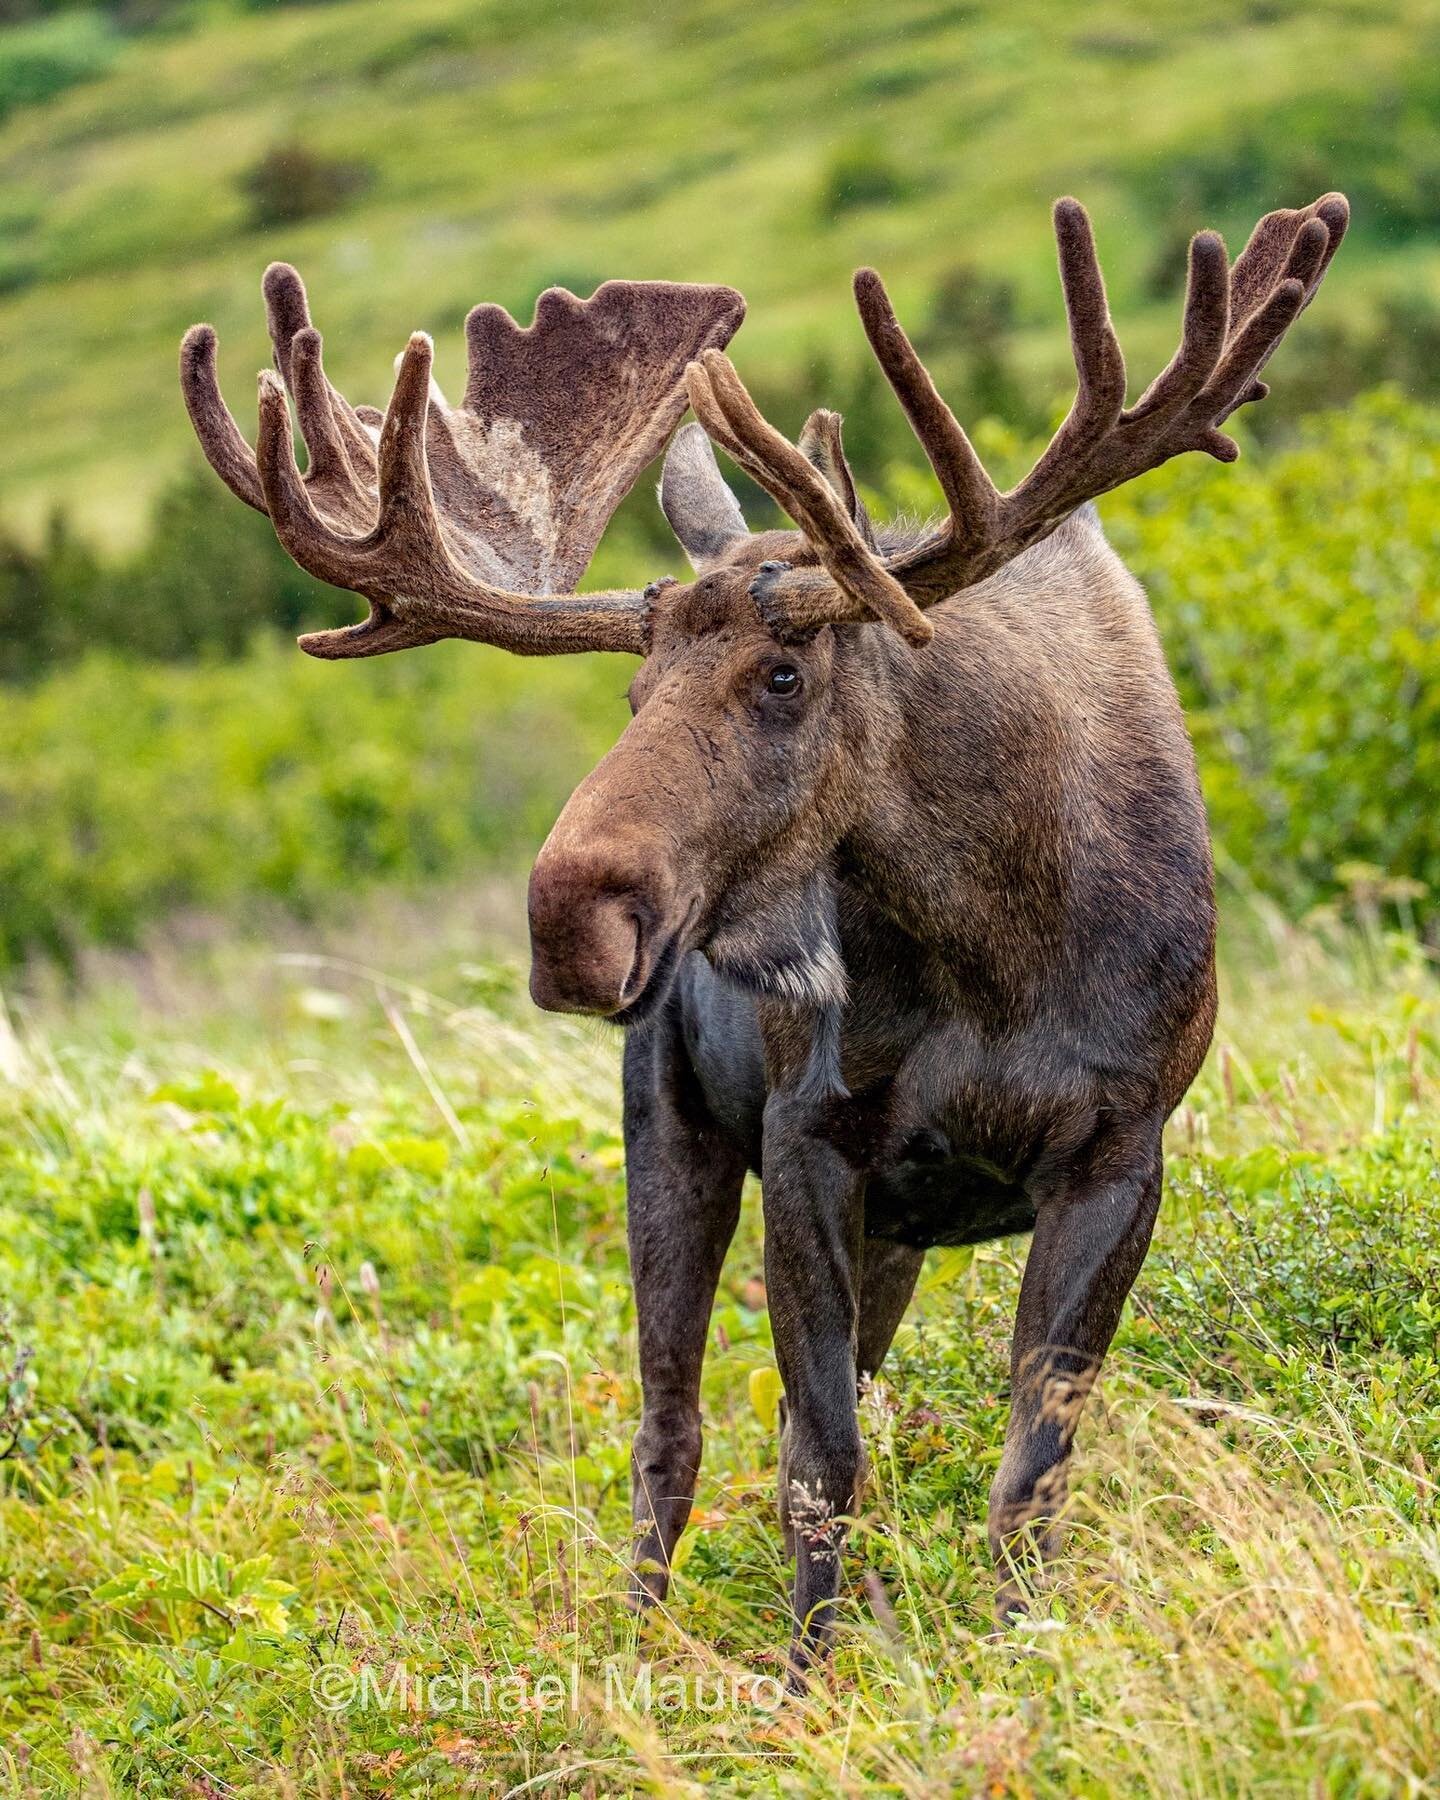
<point>428,1459</point>
<point>516,145</point>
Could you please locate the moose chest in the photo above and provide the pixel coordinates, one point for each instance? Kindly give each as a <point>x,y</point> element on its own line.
<point>949,1125</point>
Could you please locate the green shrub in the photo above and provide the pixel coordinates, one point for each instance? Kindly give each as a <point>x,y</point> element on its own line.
<point>129,791</point>
<point>292,182</point>
<point>42,59</point>
<point>209,576</point>
<point>861,173</point>
<point>1298,601</point>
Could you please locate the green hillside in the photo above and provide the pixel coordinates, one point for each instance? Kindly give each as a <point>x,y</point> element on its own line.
<point>446,152</point>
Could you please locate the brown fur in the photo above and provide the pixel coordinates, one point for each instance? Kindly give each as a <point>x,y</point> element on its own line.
<point>919,922</point>
<point>968,887</point>
<point>470,521</point>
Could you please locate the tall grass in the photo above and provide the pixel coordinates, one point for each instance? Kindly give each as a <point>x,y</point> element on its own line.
<point>322,1264</point>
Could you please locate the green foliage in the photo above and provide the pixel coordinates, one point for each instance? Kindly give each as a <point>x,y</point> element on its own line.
<point>130,791</point>
<point>329,1385</point>
<point>292,182</point>
<point>861,173</point>
<point>40,60</point>
<point>1297,599</point>
<point>206,580</point>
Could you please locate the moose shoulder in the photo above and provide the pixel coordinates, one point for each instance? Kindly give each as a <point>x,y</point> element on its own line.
<point>899,878</point>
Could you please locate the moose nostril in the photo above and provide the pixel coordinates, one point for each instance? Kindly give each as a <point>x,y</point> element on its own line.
<point>591,938</point>
<point>635,978</point>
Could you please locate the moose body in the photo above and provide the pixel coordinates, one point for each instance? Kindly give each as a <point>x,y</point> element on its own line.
<point>898,880</point>
<point>1003,949</point>
<point>1009,991</point>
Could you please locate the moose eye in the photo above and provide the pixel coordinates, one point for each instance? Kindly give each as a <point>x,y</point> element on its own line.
<point>784,680</point>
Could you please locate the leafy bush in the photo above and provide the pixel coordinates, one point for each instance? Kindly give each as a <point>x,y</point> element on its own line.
<point>293,182</point>
<point>861,173</point>
<point>42,59</point>
<point>1297,598</point>
<point>128,791</point>
<point>209,577</point>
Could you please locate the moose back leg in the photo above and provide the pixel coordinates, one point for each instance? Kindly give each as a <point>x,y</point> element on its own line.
<point>684,1179</point>
<point>814,1223</point>
<point>1091,1235</point>
<point>887,1280</point>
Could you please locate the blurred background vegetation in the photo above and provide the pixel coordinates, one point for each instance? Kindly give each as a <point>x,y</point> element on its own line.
<point>162,750</point>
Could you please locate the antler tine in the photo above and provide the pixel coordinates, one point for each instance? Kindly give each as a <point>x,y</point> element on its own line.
<point>220,437</point>
<point>707,409</point>
<point>822,444</point>
<point>341,451</point>
<point>287,314</point>
<point>310,540</point>
<point>1202,336</point>
<point>719,397</point>
<point>1099,364</point>
<point>969,492</point>
<point>1234,381</point>
<point>1099,367</point>
<point>311,392</point>
<point>407,503</point>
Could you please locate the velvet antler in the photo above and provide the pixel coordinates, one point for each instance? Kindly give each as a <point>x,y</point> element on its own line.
<point>473,521</point>
<point>1234,319</point>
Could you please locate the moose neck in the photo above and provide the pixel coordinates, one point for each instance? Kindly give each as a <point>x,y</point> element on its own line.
<point>957,837</point>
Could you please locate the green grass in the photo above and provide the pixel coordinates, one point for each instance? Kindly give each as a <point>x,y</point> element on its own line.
<point>322,1265</point>
<point>510,146</point>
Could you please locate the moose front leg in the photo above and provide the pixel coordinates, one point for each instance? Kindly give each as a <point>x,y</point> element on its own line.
<point>1091,1235</point>
<point>684,1180</point>
<point>814,1226</point>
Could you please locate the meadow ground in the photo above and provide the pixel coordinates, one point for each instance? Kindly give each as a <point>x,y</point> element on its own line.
<point>318,1347</point>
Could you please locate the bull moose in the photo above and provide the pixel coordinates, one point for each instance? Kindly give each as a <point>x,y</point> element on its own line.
<point>898,881</point>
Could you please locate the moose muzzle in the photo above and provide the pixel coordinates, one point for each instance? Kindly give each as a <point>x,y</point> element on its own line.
<point>601,928</point>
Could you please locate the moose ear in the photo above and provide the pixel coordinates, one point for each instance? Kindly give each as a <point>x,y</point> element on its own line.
<point>703,513</point>
<point>820,442</point>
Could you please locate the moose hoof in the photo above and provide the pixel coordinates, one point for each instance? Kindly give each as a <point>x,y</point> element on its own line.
<point>649,1584</point>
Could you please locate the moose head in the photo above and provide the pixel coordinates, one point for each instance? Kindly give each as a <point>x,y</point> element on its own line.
<point>750,747</point>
